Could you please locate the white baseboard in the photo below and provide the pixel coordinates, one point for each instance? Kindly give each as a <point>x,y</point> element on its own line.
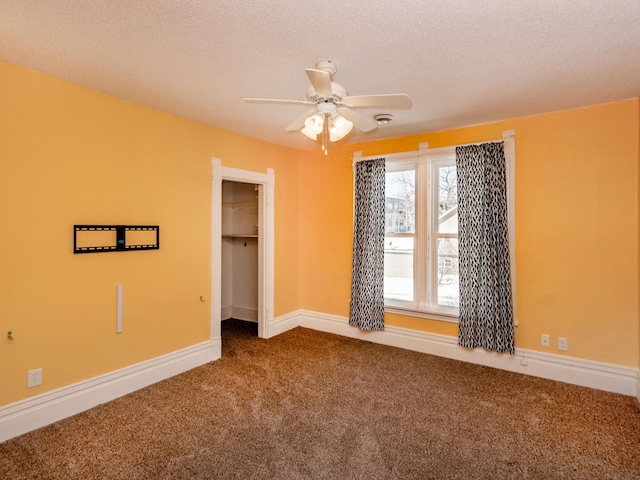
<point>240,313</point>
<point>244,313</point>
<point>49,407</point>
<point>282,324</point>
<point>577,371</point>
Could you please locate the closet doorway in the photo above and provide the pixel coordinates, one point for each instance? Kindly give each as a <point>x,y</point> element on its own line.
<point>240,251</point>
<point>257,232</point>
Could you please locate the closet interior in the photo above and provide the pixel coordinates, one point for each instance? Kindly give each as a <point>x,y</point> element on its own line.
<point>239,251</point>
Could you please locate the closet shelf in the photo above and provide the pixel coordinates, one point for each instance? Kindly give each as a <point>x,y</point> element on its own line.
<point>240,235</point>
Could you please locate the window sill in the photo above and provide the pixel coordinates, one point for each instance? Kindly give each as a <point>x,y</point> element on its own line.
<point>410,312</point>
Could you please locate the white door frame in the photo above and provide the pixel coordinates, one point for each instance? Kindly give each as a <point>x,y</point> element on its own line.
<point>266,183</point>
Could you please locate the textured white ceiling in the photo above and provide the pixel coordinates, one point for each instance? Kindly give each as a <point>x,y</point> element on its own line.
<point>462,62</point>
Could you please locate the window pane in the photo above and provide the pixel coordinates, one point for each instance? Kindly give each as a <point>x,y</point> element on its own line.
<point>447,200</point>
<point>447,275</point>
<point>398,268</point>
<point>400,202</point>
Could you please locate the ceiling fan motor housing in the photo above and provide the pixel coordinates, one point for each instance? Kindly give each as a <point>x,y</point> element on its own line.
<point>337,90</point>
<point>327,108</point>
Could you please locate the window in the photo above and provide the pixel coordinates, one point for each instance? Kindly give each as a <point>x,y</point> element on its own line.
<point>421,253</point>
<point>421,235</point>
<point>443,232</point>
<point>400,233</point>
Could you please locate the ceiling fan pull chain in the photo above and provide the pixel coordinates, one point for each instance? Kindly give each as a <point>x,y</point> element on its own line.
<point>325,134</point>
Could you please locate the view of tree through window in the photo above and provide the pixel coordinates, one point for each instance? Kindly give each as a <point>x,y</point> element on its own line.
<point>400,220</point>
<point>447,273</point>
<point>448,193</point>
<point>407,240</point>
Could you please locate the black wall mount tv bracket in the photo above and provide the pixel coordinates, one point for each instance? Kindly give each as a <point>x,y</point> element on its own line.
<point>121,245</point>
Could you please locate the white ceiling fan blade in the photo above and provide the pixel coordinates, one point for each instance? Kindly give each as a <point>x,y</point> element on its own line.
<point>399,100</point>
<point>298,123</point>
<point>278,100</point>
<point>320,81</point>
<point>361,122</point>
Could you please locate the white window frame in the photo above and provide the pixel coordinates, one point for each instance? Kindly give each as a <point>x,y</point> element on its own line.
<point>425,161</point>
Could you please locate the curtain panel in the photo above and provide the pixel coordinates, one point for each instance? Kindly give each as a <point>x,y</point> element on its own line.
<point>367,273</point>
<point>486,305</point>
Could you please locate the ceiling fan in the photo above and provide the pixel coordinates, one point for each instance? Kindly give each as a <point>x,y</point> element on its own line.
<point>332,114</point>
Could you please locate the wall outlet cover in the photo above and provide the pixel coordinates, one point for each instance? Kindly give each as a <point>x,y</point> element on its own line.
<point>34,378</point>
<point>544,340</point>
<point>563,344</point>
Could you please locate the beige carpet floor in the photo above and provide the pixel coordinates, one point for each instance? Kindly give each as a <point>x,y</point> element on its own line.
<point>310,405</point>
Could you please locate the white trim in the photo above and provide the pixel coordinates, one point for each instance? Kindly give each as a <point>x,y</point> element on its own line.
<point>244,313</point>
<point>410,312</point>
<point>509,138</point>
<point>408,155</point>
<point>638,386</point>
<point>266,189</point>
<point>216,250</point>
<point>248,314</point>
<point>286,322</point>
<point>357,157</point>
<point>577,371</point>
<point>41,410</point>
<point>225,312</point>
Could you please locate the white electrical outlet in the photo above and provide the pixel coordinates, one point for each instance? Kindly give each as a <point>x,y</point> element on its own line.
<point>563,344</point>
<point>544,340</point>
<point>34,378</point>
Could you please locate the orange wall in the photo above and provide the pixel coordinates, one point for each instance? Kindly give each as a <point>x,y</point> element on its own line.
<point>70,155</point>
<point>576,228</point>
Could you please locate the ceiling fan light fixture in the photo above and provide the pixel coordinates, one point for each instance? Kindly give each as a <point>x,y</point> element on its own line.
<point>313,126</point>
<point>383,118</point>
<point>340,127</point>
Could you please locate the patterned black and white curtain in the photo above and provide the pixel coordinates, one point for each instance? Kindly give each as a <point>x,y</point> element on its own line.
<point>367,278</point>
<point>486,306</point>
